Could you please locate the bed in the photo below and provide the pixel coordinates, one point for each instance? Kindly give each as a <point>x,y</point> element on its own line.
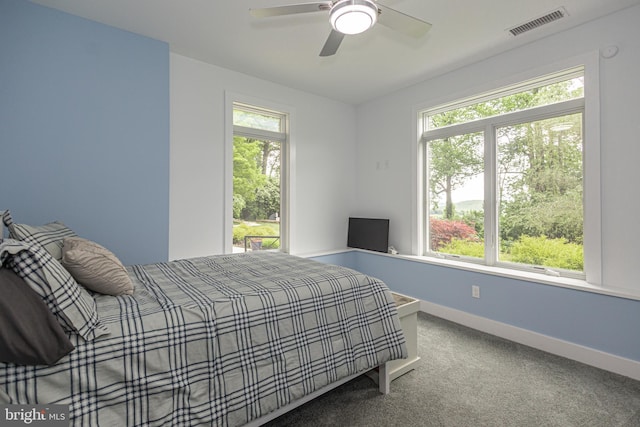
<point>224,340</point>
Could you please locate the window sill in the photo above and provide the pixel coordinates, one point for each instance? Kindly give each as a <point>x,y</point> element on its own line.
<point>565,282</point>
<point>539,278</point>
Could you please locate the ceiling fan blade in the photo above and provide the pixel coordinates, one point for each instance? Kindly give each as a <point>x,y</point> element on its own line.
<point>332,44</point>
<point>399,21</point>
<point>290,9</point>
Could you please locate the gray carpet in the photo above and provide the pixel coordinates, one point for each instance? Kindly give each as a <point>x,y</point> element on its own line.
<point>469,378</point>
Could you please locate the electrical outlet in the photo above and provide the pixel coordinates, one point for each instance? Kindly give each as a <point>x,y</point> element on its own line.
<point>475,291</point>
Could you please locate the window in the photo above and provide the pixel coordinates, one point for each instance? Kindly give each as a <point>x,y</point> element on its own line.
<point>503,177</point>
<point>259,177</point>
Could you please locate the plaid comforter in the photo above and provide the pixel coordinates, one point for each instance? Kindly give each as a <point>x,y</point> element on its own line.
<point>218,340</point>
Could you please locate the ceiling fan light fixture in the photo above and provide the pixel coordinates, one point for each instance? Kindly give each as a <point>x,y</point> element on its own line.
<point>353,16</point>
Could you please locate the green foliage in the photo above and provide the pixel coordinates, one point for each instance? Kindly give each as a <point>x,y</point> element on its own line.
<point>247,176</point>
<point>536,157</point>
<point>256,178</point>
<point>257,120</point>
<point>534,97</point>
<point>552,253</point>
<point>474,219</point>
<point>266,202</point>
<point>547,252</point>
<point>238,205</point>
<point>464,248</point>
<point>247,229</point>
<point>555,216</point>
<point>270,243</point>
<point>453,161</point>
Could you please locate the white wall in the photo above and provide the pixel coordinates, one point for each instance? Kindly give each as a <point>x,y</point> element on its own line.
<point>323,132</point>
<point>386,130</point>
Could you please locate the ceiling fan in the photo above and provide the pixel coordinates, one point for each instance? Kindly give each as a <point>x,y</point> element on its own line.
<point>349,17</point>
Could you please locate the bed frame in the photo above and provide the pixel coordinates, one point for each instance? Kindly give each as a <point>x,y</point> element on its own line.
<point>382,374</point>
<point>384,386</point>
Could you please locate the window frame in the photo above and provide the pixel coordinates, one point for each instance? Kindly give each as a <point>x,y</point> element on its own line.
<point>588,106</point>
<point>488,127</point>
<point>287,172</point>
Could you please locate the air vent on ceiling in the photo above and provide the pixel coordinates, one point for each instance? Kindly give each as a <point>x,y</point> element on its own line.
<point>538,22</point>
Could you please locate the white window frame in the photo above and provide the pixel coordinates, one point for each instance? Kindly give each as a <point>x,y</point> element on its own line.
<point>287,171</point>
<point>591,166</point>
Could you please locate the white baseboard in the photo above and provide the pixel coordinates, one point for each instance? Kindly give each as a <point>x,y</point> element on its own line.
<point>599,359</point>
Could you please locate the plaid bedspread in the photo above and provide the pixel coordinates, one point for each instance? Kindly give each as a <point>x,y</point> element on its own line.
<point>218,340</point>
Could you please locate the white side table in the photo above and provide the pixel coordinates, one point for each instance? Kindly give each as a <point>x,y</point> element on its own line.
<point>408,312</point>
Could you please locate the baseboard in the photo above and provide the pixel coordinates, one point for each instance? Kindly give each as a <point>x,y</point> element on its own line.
<point>599,359</point>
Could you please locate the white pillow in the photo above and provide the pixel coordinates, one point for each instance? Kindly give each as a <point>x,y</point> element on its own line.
<point>95,267</point>
<point>49,236</point>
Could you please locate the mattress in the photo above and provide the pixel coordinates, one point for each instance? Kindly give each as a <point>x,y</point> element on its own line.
<point>219,340</point>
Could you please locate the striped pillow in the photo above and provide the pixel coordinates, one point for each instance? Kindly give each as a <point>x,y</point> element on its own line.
<point>71,304</point>
<point>49,236</point>
<point>95,267</point>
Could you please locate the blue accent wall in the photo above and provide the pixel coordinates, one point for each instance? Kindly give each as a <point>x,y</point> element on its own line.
<point>84,129</point>
<point>602,322</point>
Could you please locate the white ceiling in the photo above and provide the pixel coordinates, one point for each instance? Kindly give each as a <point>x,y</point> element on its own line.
<point>285,49</point>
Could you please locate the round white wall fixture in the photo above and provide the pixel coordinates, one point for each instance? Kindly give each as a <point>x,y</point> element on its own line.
<point>609,51</point>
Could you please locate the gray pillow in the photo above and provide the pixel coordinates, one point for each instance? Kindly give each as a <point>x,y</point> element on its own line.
<point>69,302</point>
<point>95,267</point>
<point>29,333</point>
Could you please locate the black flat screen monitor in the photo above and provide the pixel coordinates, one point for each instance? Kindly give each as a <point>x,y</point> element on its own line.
<point>368,233</point>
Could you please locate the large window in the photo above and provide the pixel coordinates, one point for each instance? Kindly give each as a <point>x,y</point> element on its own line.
<point>259,142</point>
<point>504,174</point>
